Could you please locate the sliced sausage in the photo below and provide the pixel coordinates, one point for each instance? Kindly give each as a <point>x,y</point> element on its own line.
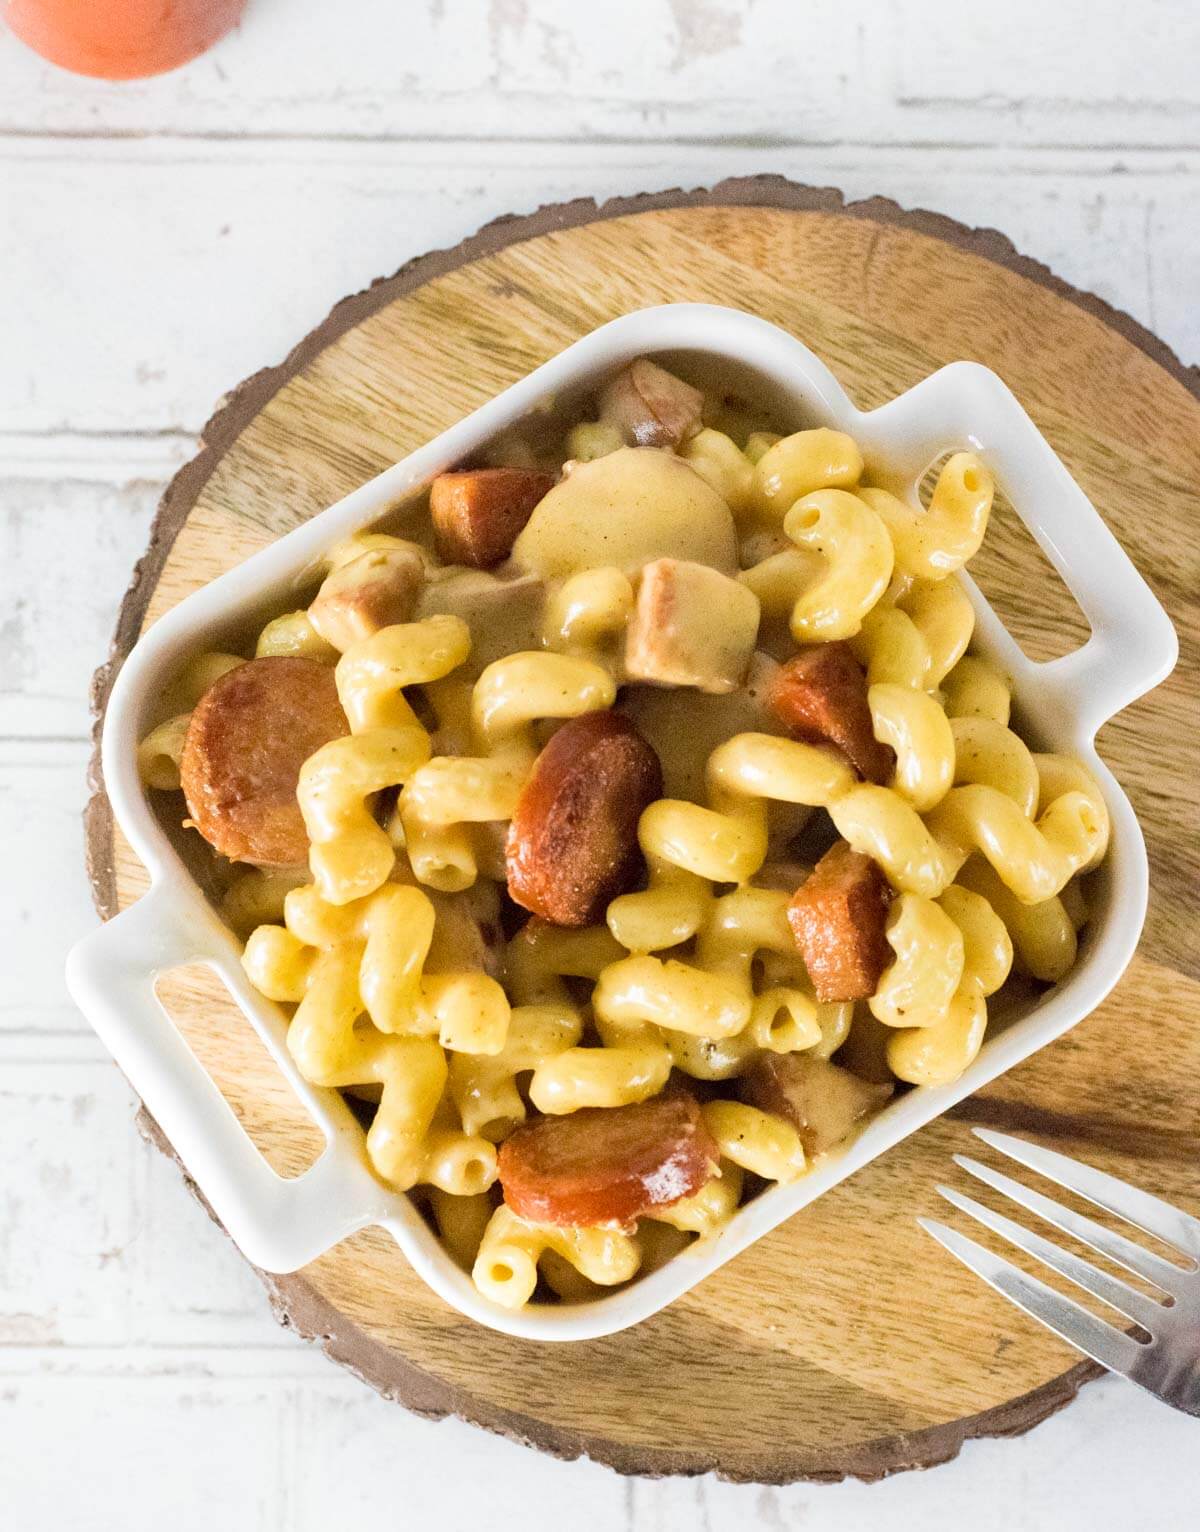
<point>478,513</point>
<point>650,406</point>
<point>692,626</point>
<point>248,737</point>
<point>821,697</point>
<point>373,591</point>
<point>607,1165</point>
<point>837,916</point>
<point>572,844</point>
<point>821,1100</point>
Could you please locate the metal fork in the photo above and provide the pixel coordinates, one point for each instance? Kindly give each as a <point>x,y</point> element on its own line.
<point>1168,1363</point>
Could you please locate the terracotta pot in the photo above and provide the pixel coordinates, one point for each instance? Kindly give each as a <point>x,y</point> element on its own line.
<point>120,39</point>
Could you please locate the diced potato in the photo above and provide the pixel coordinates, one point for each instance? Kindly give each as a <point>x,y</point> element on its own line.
<point>623,510</point>
<point>822,1101</point>
<point>692,626</point>
<point>650,406</point>
<point>372,591</point>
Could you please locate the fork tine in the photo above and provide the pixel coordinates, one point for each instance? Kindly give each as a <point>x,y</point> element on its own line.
<point>1115,1246</point>
<point>1136,1207</point>
<point>1111,1348</point>
<point>1125,1299</point>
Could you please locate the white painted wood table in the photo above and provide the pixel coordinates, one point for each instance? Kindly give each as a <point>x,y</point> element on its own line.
<point>160,240</point>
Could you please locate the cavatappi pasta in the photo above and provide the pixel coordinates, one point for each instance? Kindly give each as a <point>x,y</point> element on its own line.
<point>625,832</point>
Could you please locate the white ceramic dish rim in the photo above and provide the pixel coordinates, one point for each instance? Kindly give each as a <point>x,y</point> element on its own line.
<point>281,1224</point>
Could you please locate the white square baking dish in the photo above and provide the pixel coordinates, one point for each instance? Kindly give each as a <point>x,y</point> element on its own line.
<point>281,1224</point>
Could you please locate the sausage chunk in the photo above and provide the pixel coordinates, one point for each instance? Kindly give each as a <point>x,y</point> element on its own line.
<point>607,1165</point>
<point>692,626</point>
<point>650,406</point>
<point>572,844</point>
<point>248,737</point>
<point>837,916</point>
<point>821,1100</point>
<point>478,513</point>
<point>821,696</point>
<point>373,591</point>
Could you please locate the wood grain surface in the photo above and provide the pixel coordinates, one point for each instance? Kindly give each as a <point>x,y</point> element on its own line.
<point>845,1343</point>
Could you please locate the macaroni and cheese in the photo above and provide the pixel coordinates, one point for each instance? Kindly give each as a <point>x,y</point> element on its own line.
<point>612,833</point>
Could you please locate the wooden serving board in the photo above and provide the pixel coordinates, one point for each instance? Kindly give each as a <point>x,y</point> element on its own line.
<point>847,1342</point>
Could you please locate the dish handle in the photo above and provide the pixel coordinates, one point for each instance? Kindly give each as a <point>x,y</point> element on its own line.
<point>279,1224</point>
<point>1132,645</point>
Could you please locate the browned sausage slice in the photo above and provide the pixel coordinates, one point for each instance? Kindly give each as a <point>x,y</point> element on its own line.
<point>477,513</point>
<point>572,844</point>
<point>650,406</point>
<point>607,1165</point>
<point>821,696</point>
<point>821,1100</point>
<point>249,736</point>
<point>838,916</point>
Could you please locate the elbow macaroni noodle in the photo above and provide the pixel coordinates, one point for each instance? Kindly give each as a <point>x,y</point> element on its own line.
<point>161,751</point>
<point>975,688</point>
<point>406,1143</point>
<point>950,955</point>
<point>858,556</point>
<point>708,1210</point>
<point>484,1089</point>
<point>345,966</point>
<point>352,855</point>
<point>915,636</point>
<point>931,544</point>
<point>293,633</point>
<point>755,1141</point>
<point>587,615</point>
<point>506,1268</point>
<point>696,973</point>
